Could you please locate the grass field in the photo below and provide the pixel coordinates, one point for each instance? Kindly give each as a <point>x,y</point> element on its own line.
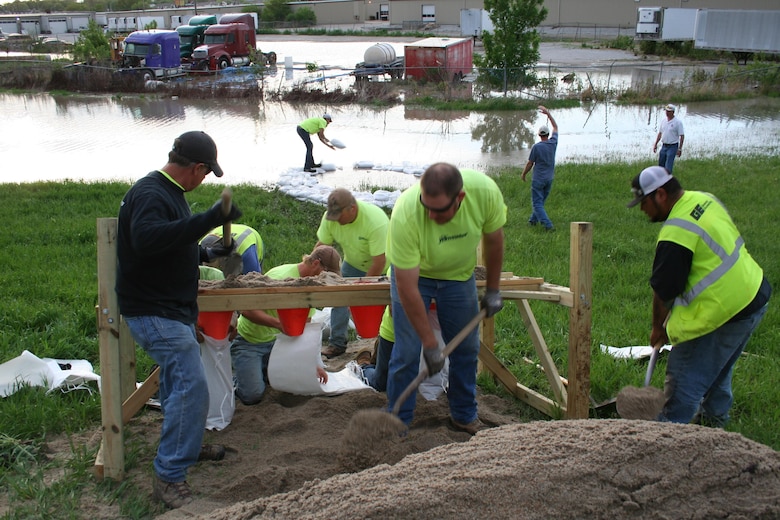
<point>50,289</point>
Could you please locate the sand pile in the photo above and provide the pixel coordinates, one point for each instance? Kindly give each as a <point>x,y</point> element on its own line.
<point>573,469</point>
<point>284,461</point>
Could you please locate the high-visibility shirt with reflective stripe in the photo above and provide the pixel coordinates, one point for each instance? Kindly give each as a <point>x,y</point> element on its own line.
<point>724,278</point>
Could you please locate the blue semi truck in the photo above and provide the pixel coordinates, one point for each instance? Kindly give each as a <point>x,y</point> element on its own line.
<point>152,54</point>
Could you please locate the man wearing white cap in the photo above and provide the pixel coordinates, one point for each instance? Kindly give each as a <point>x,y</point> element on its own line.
<point>709,295</point>
<point>672,137</point>
<point>542,160</point>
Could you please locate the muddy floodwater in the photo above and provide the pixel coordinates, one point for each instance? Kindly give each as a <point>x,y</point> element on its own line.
<point>122,138</point>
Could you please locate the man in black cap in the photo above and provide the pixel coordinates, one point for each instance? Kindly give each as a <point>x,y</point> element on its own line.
<point>157,289</point>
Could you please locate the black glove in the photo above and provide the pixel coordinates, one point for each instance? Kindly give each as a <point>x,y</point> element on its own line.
<point>208,254</point>
<point>221,218</point>
<point>434,360</point>
<point>492,302</point>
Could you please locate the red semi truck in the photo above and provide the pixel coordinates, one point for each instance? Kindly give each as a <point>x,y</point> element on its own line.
<point>439,59</point>
<point>227,44</point>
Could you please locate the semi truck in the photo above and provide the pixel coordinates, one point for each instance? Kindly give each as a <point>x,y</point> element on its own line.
<point>153,55</point>
<point>191,35</point>
<point>230,43</point>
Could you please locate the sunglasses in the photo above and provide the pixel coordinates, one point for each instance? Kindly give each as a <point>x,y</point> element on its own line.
<point>439,210</point>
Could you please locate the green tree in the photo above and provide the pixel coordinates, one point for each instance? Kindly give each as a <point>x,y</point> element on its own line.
<point>92,44</point>
<point>303,16</point>
<point>512,48</point>
<point>276,11</point>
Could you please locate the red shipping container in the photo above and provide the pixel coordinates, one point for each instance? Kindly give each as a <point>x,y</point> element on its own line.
<point>439,59</point>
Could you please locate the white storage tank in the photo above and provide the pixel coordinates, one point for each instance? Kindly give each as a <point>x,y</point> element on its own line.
<point>379,54</point>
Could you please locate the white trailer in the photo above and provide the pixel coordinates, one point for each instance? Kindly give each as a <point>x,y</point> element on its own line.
<point>473,22</point>
<point>667,24</point>
<point>741,32</point>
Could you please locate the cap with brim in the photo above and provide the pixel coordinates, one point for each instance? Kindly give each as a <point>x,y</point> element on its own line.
<point>329,258</point>
<point>670,108</point>
<point>338,200</point>
<point>544,130</point>
<point>198,147</point>
<point>327,117</point>
<point>648,180</point>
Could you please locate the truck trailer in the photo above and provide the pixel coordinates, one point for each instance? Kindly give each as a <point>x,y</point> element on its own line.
<point>439,59</point>
<point>741,32</point>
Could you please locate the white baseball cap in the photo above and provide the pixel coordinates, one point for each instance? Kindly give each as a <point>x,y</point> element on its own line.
<point>648,180</point>
<point>670,108</point>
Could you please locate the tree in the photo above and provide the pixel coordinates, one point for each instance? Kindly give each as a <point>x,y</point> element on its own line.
<point>276,11</point>
<point>92,44</point>
<point>512,48</point>
<point>303,16</point>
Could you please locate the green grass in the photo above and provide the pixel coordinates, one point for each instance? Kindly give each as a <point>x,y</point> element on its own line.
<point>49,292</point>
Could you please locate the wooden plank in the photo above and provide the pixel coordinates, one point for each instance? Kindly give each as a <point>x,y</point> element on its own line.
<point>126,360</point>
<point>567,297</point>
<point>550,370</point>
<point>523,393</point>
<point>287,297</point>
<point>109,344</point>
<point>142,394</point>
<point>580,269</point>
<point>531,295</point>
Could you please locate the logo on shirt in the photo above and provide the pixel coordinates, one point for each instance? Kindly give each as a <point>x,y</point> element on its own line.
<point>699,210</point>
<point>447,238</point>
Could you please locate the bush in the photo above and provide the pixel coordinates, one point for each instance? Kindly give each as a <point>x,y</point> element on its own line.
<point>303,16</point>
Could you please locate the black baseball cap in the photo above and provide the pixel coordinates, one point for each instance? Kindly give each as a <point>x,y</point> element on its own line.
<point>198,147</point>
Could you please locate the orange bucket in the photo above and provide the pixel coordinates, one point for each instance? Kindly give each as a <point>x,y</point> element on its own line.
<point>367,319</point>
<point>215,324</point>
<point>293,320</point>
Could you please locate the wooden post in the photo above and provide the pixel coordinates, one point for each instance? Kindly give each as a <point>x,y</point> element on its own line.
<point>111,391</point>
<point>580,278</point>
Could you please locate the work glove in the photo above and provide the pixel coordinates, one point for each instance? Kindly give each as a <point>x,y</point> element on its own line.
<point>221,218</point>
<point>208,254</point>
<point>434,360</point>
<point>492,302</point>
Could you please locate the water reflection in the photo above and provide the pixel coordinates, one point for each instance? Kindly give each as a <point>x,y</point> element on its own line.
<point>103,137</point>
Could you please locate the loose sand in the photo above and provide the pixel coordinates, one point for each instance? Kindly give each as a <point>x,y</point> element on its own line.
<point>292,457</point>
<point>284,462</point>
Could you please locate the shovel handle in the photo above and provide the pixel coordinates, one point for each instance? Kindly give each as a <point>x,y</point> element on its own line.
<point>651,364</point>
<point>227,196</point>
<point>448,348</point>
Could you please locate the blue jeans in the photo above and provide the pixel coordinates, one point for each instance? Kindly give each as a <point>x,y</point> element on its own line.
<point>667,156</point>
<point>698,373</point>
<point>250,368</point>
<point>309,164</point>
<point>184,392</point>
<point>456,305</point>
<point>540,190</point>
<point>339,316</point>
<point>376,375</point>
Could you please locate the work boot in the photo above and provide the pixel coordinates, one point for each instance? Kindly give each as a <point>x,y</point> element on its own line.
<point>172,494</point>
<point>363,357</point>
<point>471,428</point>
<point>332,351</point>
<point>211,452</point>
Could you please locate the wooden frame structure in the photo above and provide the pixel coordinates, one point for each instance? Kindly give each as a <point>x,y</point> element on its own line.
<point>121,400</point>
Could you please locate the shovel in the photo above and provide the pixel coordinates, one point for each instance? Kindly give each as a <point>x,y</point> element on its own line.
<point>371,433</point>
<point>231,264</point>
<point>448,348</point>
<point>642,403</point>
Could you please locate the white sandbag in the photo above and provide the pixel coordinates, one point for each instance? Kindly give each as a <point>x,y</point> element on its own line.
<point>364,165</point>
<point>337,143</point>
<point>328,167</point>
<point>215,354</point>
<point>293,364</point>
<point>27,368</point>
